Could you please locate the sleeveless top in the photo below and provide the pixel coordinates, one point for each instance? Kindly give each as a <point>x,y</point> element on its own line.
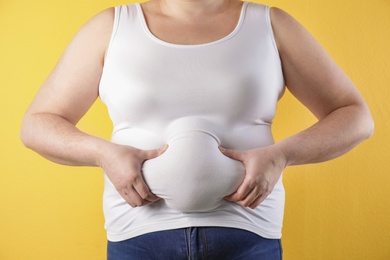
<point>194,98</point>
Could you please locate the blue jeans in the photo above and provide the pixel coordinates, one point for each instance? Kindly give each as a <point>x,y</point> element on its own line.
<point>196,243</point>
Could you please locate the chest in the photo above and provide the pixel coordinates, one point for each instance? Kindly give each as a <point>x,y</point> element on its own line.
<point>232,85</point>
<point>235,79</point>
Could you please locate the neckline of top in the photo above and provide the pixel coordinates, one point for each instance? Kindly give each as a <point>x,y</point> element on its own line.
<point>177,45</point>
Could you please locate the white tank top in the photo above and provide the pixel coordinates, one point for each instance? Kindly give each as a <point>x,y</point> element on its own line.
<point>194,98</point>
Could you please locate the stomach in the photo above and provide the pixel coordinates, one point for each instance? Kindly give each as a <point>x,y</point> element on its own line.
<point>192,175</point>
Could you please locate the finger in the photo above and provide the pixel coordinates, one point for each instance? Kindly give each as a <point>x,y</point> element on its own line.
<point>237,196</point>
<point>249,198</point>
<point>135,200</point>
<point>257,201</point>
<point>125,195</point>
<point>243,190</point>
<point>234,154</point>
<point>133,196</point>
<point>263,194</point>
<point>150,154</point>
<point>143,191</point>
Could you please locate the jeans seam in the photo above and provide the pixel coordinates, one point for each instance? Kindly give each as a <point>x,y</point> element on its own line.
<point>188,248</point>
<point>205,251</point>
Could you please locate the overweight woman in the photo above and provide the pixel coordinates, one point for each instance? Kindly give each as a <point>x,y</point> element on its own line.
<point>192,170</point>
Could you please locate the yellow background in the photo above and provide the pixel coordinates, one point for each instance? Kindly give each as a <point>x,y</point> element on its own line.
<point>334,210</point>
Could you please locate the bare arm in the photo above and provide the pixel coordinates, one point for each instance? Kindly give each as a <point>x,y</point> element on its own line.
<point>66,95</point>
<point>49,125</point>
<point>316,81</point>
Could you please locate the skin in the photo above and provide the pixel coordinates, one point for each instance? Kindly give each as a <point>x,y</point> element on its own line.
<point>49,125</point>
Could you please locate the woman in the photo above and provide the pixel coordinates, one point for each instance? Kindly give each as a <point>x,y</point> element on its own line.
<point>180,80</point>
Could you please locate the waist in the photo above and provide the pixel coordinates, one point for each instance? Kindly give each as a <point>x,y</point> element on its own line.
<point>236,136</point>
<point>192,175</point>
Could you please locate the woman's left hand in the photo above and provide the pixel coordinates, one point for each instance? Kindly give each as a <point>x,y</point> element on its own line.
<point>263,168</point>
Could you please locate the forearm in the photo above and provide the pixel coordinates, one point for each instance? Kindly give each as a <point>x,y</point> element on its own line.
<point>58,140</point>
<point>329,138</point>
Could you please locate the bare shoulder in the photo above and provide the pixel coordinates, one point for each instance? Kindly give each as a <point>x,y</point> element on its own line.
<point>310,73</point>
<point>105,18</point>
<point>279,15</point>
<point>287,28</point>
<point>72,86</point>
<point>99,26</point>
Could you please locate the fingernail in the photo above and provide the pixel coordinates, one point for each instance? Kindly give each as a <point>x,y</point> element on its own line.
<point>221,149</point>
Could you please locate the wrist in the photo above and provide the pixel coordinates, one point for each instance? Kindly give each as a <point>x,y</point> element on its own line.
<point>280,155</point>
<point>104,150</point>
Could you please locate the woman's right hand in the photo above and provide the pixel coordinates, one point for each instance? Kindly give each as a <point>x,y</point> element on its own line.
<point>123,167</point>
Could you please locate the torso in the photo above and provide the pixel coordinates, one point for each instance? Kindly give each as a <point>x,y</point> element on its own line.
<point>222,90</point>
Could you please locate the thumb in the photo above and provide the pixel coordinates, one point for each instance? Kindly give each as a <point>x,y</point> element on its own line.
<point>150,154</point>
<point>234,154</point>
